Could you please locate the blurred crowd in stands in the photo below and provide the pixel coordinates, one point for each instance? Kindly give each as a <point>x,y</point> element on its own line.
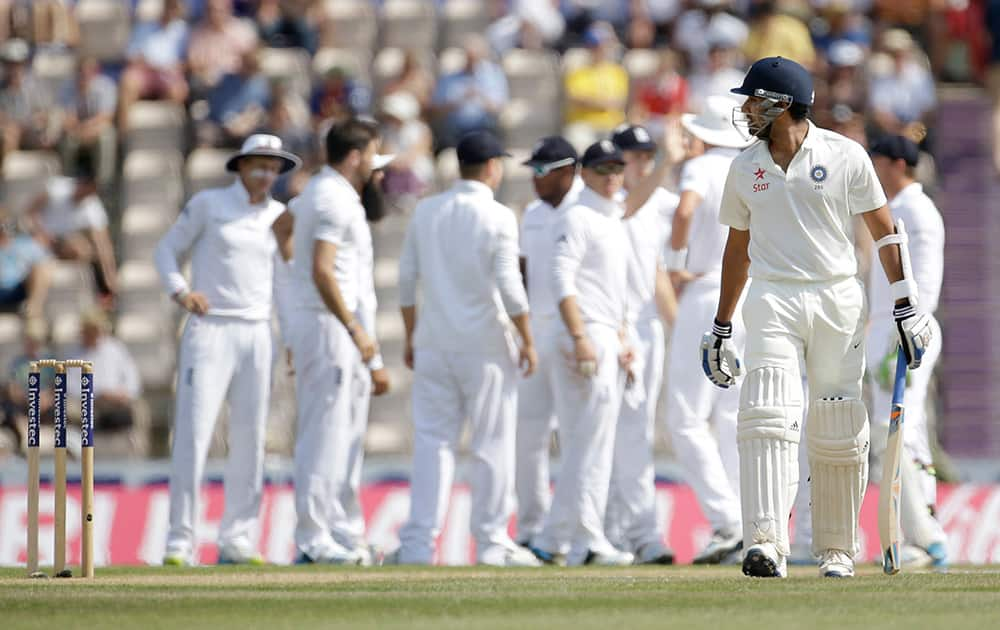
<point>78,77</point>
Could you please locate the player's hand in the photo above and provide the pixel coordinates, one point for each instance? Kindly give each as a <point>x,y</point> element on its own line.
<point>380,381</point>
<point>719,359</point>
<point>408,354</point>
<point>914,333</point>
<point>626,358</point>
<point>674,150</point>
<point>586,357</point>
<point>194,302</point>
<point>528,360</point>
<point>363,342</point>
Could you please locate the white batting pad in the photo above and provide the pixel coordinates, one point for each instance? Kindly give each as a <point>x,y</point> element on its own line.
<point>768,436</point>
<point>837,438</point>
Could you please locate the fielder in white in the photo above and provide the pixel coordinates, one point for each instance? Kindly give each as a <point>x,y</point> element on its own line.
<point>461,249</point>
<point>332,337</point>
<point>631,514</point>
<point>789,201</point>
<point>895,158</point>
<point>589,280</point>
<point>694,407</point>
<point>554,167</point>
<point>225,351</point>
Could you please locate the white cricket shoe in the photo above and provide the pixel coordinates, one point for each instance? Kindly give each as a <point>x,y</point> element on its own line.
<point>330,554</point>
<point>763,560</point>
<point>608,558</point>
<point>232,554</point>
<point>836,563</point>
<point>722,543</point>
<point>654,553</point>
<point>509,556</point>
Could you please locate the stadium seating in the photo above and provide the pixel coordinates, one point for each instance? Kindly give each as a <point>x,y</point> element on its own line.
<point>72,288</point>
<point>460,18</point>
<point>11,336</point>
<point>408,24</point>
<point>142,227</point>
<point>349,24</point>
<point>53,68</point>
<point>155,126</point>
<point>206,168</point>
<point>152,177</point>
<point>290,65</point>
<point>24,176</point>
<point>105,26</point>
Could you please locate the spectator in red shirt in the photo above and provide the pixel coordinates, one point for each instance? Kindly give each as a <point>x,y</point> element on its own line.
<point>663,95</point>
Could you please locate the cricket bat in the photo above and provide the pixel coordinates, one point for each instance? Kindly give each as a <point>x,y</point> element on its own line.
<point>889,489</point>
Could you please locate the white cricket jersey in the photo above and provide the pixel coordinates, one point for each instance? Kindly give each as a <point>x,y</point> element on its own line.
<point>648,233</point>
<point>925,233</point>
<point>461,248</point>
<point>590,259</point>
<point>232,249</point>
<point>706,236</point>
<point>800,223</point>
<point>63,215</point>
<point>328,209</point>
<point>537,249</point>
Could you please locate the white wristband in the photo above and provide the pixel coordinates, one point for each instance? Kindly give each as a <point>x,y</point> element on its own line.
<point>675,259</point>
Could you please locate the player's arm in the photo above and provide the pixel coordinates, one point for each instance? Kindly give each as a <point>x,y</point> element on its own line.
<point>666,298</point>
<point>735,270</point>
<point>282,228</point>
<point>912,325</point>
<point>174,246</point>
<point>408,278</point>
<point>676,257</point>
<point>673,154</point>
<point>511,287</point>
<point>324,277</point>
<point>569,249</point>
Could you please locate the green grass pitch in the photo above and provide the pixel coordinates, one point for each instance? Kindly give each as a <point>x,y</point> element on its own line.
<point>552,599</point>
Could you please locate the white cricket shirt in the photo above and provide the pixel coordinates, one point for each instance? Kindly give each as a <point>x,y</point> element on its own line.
<point>328,209</point>
<point>367,300</point>
<point>232,249</point>
<point>590,259</point>
<point>537,247</point>
<point>648,233</point>
<point>706,236</point>
<point>461,249</point>
<point>925,233</point>
<point>800,223</point>
<point>62,215</point>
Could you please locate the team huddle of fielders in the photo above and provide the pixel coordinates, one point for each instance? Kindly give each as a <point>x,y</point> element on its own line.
<point>559,327</point>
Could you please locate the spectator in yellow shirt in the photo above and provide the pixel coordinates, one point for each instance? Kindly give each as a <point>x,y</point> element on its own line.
<point>597,93</point>
<point>775,33</point>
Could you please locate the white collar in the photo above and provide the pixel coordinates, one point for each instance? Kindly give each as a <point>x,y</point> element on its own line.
<point>472,186</point>
<point>243,196</point>
<point>913,188</point>
<point>599,204</point>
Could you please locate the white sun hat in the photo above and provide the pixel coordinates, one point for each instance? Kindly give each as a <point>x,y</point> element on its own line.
<point>714,125</point>
<point>268,146</point>
<point>401,105</point>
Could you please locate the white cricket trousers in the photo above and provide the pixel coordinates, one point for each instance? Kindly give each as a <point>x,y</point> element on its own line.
<point>536,421</point>
<point>449,387</point>
<point>695,406</point>
<point>331,391</point>
<point>587,409</point>
<point>631,515</point>
<point>221,359</point>
<point>883,338</point>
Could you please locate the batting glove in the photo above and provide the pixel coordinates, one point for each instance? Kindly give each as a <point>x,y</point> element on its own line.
<point>719,360</point>
<point>914,333</point>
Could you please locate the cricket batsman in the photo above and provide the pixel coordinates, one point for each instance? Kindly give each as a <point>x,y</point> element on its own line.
<point>789,202</point>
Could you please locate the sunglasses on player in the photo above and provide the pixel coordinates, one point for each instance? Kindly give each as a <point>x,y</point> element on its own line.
<point>609,168</point>
<point>541,170</point>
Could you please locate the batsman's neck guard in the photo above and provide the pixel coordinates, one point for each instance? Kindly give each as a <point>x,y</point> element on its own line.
<point>907,287</point>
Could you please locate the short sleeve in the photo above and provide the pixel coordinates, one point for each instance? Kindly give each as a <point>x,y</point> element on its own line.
<point>92,214</point>
<point>734,212</point>
<point>864,191</point>
<point>694,178</point>
<point>333,221</point>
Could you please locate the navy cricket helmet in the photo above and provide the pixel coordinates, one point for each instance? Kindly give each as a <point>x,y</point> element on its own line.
<point>778,76</point>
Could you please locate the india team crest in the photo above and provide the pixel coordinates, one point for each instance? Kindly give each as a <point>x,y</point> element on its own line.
<point>818,173</point>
